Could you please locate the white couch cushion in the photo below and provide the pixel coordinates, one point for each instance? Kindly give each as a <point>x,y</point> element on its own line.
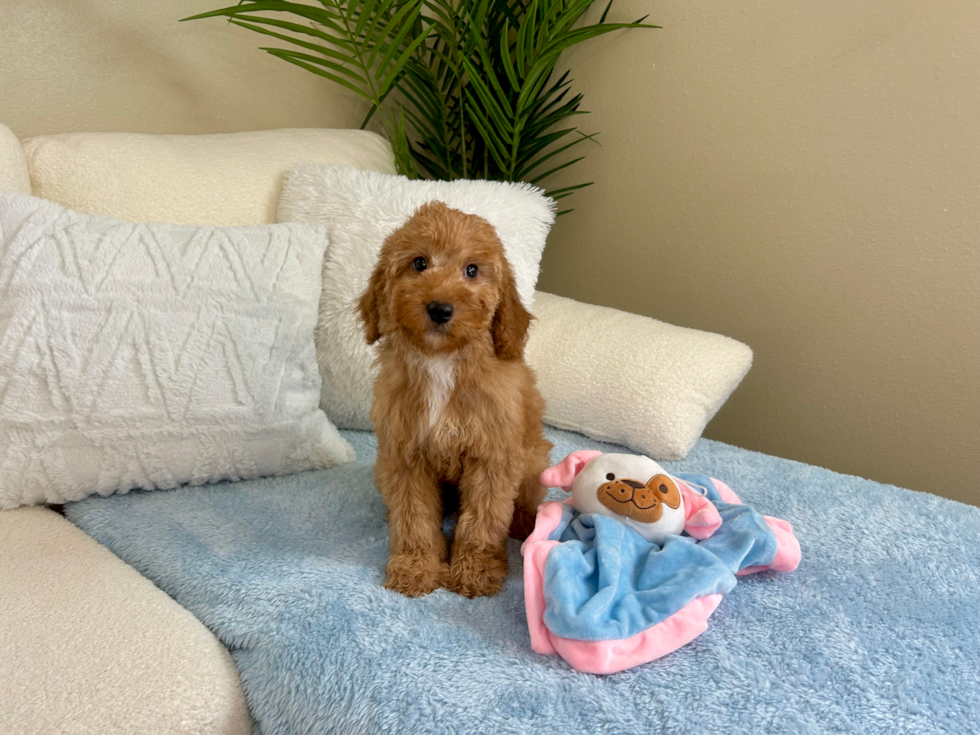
<point>226,179</point>
<point>87,645</point>
<point>629,379</point>
<point>360,209</point>
<point>13,166</point>
<point>148,356</point>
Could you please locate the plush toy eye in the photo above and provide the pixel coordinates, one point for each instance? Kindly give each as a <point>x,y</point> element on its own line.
<point>472,270</point>
<point>610,476</point>
<point>419,264</point>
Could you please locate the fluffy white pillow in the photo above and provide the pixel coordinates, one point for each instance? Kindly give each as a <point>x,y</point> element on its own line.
<point>629,379</point>
<point>149,356</point>
<point>360,209</point>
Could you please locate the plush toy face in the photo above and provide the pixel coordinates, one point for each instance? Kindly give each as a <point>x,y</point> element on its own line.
<point>633,489</point>
<point>644,503</point>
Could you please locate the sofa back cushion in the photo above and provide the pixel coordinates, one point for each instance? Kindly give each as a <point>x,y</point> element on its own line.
<point>230,179</point>
<point>13,167</point>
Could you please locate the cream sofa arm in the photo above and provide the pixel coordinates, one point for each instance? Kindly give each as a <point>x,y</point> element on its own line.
<point>87,645</point>
<point>629,379</point>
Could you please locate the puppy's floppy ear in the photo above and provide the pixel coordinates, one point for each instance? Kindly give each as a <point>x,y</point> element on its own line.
<point>511,320</point>
<point>372,303</point>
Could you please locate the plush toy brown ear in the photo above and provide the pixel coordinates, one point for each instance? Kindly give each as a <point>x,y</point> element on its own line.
<point>371,305</point>
<point>667,489</point>
<point>511,320</point>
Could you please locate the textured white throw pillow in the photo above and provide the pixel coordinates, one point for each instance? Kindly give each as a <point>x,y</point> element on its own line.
<point>136,355</point>
<point>360,209</point>
<point>629,379</point>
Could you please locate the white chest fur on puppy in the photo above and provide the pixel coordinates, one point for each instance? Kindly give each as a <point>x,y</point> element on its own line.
<point>441,372</point>
<point>632,489</point>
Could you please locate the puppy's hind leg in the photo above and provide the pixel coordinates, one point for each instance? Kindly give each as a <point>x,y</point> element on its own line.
<point>531,492</point>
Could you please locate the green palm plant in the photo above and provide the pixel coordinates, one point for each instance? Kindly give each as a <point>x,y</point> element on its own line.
<point>462,88</point>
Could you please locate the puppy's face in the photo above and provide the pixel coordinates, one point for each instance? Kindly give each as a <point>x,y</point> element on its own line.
<point>441,282</point>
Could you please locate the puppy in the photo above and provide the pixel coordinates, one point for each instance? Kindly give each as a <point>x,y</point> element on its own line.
<point>456,410</point>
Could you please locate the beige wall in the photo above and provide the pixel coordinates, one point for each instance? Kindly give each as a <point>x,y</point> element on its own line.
<point>127,65</point>
<point>805,177</point>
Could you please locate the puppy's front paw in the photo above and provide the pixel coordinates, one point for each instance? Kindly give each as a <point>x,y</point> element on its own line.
<point>415,574</point>
<point>477,573</point>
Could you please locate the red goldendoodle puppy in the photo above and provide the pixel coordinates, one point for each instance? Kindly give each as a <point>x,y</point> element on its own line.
<point>456,410</point>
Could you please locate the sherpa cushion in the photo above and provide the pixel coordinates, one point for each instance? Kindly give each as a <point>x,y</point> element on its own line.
<point>360,209</point>
<point>149,356</point>
<point>228,179</point>
<point>629,379</point>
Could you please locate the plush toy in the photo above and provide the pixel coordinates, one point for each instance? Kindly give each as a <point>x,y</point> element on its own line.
<point>635,490</point>
<point>632,566</point>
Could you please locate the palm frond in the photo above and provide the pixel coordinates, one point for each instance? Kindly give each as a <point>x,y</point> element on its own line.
<point>464,88</point>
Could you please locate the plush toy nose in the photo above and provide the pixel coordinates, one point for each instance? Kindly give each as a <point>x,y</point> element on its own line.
<point>440,312</point>
<point>623,493</point>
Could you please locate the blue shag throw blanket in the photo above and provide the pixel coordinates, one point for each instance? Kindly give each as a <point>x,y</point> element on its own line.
<point>878,631</point>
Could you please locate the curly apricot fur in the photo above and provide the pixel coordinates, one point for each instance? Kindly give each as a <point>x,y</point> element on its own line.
<point>455,405</point>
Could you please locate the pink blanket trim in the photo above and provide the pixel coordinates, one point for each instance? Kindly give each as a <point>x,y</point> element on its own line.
<point>609,657</point>
<point>788,552</point>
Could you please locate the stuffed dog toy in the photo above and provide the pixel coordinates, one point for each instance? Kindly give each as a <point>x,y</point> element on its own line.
<point>634,563</point>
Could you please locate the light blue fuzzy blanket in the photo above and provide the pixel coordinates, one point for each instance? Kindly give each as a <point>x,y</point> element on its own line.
<point>878,631</point>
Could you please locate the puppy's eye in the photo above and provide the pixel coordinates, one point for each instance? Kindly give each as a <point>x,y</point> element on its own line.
<point>610,476</point>
<point>419,264</point>
<point>472,270</point>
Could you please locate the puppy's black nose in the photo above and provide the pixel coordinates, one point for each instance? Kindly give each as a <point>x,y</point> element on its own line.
<point>439,312</point>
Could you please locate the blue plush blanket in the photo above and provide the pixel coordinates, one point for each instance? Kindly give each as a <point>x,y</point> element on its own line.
<point>606,582</point>
<point>878,631</point>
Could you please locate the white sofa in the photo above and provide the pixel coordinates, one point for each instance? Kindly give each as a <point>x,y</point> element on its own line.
<point>87,645</point>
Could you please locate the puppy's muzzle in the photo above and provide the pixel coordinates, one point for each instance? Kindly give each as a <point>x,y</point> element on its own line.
<point>440,312</point>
